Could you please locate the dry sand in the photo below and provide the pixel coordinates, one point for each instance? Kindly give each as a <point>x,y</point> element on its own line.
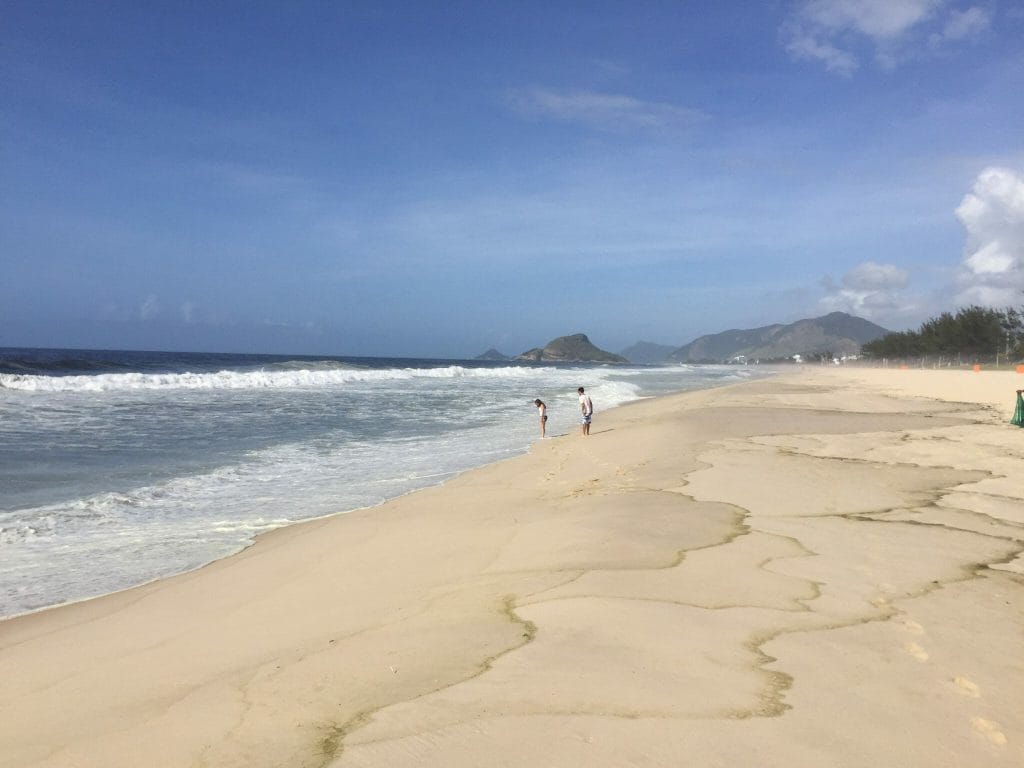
<point>821,569</point>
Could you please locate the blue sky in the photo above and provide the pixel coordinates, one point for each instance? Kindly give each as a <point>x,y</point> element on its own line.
<point>433,179</point>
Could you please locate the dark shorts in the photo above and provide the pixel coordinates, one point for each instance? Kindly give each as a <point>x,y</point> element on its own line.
<point>585,419</point>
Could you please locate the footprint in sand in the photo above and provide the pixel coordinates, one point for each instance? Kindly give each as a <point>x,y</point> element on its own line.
<point>966,687</point>
<point>912,626</point>
<point>989,730</point>
<point>916,651</point>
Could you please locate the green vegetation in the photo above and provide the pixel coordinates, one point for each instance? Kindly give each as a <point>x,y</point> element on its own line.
<point>972,335</point>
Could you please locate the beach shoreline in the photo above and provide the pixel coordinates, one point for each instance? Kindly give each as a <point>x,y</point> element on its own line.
<point>116,479</point>
<point>677,584</point>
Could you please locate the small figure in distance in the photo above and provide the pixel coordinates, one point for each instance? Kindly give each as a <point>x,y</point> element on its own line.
<point>542,411</point>
<point>586,410</point>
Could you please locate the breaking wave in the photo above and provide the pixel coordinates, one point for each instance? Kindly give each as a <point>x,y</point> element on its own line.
<point>284,377</point>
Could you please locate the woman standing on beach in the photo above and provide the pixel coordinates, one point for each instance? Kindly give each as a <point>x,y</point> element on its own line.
<point>542,411</point>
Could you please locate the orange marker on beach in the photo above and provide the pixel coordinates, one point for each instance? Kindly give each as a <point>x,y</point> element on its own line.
<point>977,369</point>
<point>1020,369</point>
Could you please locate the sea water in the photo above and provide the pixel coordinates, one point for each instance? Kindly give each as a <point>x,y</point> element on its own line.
<point>117,468</point>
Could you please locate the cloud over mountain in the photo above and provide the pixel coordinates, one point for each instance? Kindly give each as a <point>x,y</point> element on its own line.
<point>870,290</point>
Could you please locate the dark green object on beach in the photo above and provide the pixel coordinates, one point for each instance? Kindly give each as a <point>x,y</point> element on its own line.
<point>1018,415</point>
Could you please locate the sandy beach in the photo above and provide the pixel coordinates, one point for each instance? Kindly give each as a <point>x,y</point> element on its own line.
<point>823,568</point>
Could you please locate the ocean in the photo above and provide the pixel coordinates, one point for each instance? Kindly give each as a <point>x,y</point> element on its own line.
<point>117,468</point>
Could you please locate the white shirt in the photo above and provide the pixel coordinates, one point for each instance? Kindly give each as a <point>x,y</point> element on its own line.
<point>587,404</point>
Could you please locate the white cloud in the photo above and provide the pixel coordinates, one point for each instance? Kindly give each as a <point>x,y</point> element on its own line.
<point>602,110</point>
<point>805,46</point>
<point>838,33</point>
<point>871,290</point>
<point>878,19</point>
<point>964,24</point>
<point>188,312</point>
<point>149,308</point>
<point>871,276</point>
<point>992,271</point>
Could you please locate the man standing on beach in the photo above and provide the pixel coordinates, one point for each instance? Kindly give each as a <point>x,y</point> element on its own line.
<point>586,409</point>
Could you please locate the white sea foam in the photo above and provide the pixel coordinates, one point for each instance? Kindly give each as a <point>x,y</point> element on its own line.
<point>111,540</point>
<point>302,378</point>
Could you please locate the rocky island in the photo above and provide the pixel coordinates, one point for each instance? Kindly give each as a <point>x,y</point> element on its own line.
<point>492,354</point>
<point>576,348</point>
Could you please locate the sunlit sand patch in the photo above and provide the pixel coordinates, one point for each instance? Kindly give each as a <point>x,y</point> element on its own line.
<point>630,529</point>
<point>939,445</point>
<point>699,580</point>
<point>780,484</point>
<point>910,626</point>
<point>966,687</point>
<point>916,651</point>
<point>941,514</point>
<point>989,729</point>
<point>861,566</point>
<point>1004,509</point>
<point>671,661</point>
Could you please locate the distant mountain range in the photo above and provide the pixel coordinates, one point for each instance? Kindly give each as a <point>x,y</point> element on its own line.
<point>837,333</point>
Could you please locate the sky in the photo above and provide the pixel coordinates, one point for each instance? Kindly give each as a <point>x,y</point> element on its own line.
<point>433,179</point>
